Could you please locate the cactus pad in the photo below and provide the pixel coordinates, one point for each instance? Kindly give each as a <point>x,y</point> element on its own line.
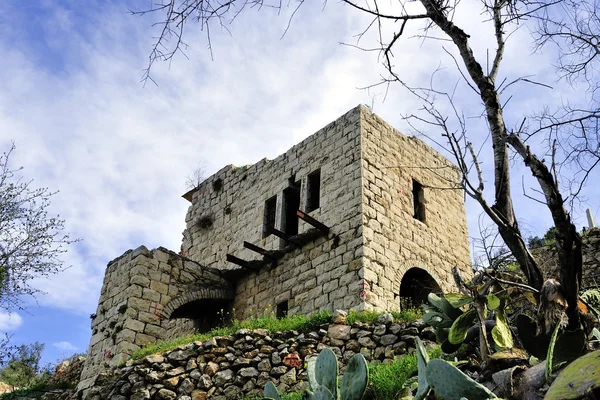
<point>449,383</point>
<point>310,372</point>
<point>422,360</point>
<point>356,378</point>
<point>321,393</point>
<point>460,327</point>
<point>579,378</point>
<point>271,391</point>
<point>326,371</point>
<point>443,305</point>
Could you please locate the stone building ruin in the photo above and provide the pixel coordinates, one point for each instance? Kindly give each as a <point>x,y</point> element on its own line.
<point>356,216</point>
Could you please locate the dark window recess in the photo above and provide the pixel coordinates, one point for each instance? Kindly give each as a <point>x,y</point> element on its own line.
<point>313,191</point>
<point>269,217</point>
<point>282,309</point>
<point>291,204</point>
<point>418,201</point>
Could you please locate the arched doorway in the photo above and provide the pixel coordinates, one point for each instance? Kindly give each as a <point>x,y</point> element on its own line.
<point>416,284</point>
<point>207,308</point>
<point>206,313</point>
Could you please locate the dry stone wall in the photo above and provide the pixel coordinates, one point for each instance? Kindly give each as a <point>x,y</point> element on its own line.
<point>231,367</point>
<point>139,288</point>
<point>547,256</point>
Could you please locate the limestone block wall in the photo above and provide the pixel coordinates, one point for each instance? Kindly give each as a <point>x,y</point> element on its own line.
<point>394,240</point>
<point>322,274</point>
<point>141,289</point>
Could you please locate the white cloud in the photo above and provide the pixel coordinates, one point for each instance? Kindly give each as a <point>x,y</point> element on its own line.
<point>9,321</point>
<point>119,152</point>
<point>65,346</point>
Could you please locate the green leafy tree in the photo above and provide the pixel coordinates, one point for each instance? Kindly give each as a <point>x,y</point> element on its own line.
<point>24,366</point>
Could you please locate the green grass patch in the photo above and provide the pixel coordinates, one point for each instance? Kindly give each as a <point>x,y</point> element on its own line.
<point>369,317</point>
<point>300,323</point>
<point>35,391</point>
<point>282,396</point>
<point>386,380</point>
<point>271,323</point>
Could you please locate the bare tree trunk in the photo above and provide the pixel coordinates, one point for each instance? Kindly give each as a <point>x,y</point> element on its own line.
<point>568,241</point>
<point>502,210</point>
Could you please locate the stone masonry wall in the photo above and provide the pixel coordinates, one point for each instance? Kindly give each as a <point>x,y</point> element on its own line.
<point>366,169</point>
<point>322,274</point>
<point>547,256</point>
<point>395,240</point>
<point>231,367</point>
<point>138,287</point>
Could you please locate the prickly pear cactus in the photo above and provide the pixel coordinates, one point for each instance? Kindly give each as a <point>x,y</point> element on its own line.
<point>326,371</point>
<point>271,391</point>
<point>450,383</point>
<point>569,344</point>
<point>310,372</point>
<point>321,393</point>
<point>460,327</point>
<point>579,378</point>
<point>355,379</point>
<point>422,360</point>
<point>444,305</point>
<point>323,373</point>
<point>538,345</point>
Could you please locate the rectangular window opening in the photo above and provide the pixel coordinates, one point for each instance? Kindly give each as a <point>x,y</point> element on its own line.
<point>291,204</point>
<point>282,310</point>
<point>418,201</point>
<point>269,215</point>
<point>313,191</point>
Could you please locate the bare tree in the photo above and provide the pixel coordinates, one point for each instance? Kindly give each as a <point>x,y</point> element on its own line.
<point>31,241</point>
<point>196,177</point>
<point>572,131</point>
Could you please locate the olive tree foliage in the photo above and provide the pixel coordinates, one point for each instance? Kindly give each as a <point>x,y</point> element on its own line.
<point>23,367</point>
<point>570,132</point>
<point>31,241</point>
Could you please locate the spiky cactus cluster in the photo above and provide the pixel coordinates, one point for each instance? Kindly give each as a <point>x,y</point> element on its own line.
<point>323,375</point>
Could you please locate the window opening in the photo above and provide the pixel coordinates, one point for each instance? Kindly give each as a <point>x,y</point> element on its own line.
<point>269,216</point>
<point>291,204</point>
<point>418,201</point>
<point>282,310</point>
<point>313,191</point>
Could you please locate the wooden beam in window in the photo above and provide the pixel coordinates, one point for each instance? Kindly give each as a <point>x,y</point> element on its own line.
<point>310,220</point>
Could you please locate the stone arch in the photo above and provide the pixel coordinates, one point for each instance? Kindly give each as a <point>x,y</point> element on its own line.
<point>200,305</point>
<point>415,281</point>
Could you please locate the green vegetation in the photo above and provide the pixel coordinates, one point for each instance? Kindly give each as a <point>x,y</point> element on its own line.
<point>36,390</point>
<point>24,366</point>
<point>408,314</point>
<point>269,322</point>
<point>300,323</point>
<point>282,396</point>
<point>386,381</point>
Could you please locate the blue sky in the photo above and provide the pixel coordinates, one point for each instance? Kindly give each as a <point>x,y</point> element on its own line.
<point>119,152</point>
